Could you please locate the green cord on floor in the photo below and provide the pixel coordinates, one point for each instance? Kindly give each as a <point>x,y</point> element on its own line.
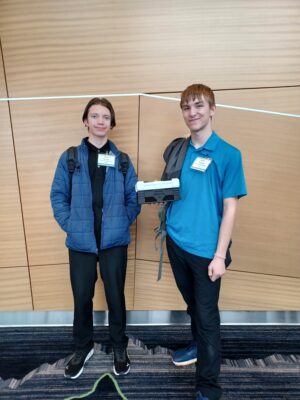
<point>117,387</point>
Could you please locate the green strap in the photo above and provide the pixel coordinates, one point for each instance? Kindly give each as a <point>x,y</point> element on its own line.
<point>117,387</point>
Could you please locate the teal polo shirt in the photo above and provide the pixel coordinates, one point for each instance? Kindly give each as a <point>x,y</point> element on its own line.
<point>193,222</point>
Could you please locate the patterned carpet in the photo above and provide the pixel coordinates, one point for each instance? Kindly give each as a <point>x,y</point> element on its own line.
<point>153,376</point>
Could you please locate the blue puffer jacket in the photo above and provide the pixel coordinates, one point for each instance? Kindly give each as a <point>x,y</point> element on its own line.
<point>74,213</point>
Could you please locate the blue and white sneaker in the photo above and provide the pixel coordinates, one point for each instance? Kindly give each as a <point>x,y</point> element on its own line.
<point>185,356</point>
<point>201,397</point>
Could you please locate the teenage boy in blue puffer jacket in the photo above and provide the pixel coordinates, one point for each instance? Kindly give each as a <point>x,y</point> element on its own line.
<point>95,206</point>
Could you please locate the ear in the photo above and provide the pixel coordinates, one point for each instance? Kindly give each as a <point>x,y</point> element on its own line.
<point>212,110</point>
<point>85,123</point>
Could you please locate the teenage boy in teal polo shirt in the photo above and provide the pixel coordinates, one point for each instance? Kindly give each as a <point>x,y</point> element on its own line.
<point>199,229</point>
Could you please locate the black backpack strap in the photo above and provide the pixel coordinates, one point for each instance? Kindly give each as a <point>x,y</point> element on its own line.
<point>174,156</point>
<point>72,160</point>
<point>72,163</point>
<point>123,163</point>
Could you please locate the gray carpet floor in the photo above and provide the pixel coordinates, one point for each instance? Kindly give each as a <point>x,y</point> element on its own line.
<point>153,376</point>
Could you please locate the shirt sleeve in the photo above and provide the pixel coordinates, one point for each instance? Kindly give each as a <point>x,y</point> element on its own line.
<point>234,184</point>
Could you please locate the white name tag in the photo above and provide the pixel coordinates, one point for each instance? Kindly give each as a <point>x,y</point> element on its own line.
<point>201,163</point>
<point>106,160</point>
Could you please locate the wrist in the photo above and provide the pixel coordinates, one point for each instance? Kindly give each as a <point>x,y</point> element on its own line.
<point>216,255</point>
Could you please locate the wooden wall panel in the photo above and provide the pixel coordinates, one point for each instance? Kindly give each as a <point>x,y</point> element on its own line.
<point>274,99</point>
<point>248,291</point>
<point>267,232</point>
<point>153,295</point>
<point>240,290</point>
<point>15,294</point>
<point>12,241</point>
<point>52,289</point>
<point>65,47</point>
<point>43,130</point>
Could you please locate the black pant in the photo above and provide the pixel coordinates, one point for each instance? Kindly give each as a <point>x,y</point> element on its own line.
<point>83,273</point>
<point>201,296</point>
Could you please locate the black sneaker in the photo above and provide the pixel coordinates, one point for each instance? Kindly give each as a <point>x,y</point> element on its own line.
<point>121,362</point>
<point>75,366</point>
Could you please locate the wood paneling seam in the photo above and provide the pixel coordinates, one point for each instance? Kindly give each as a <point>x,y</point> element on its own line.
<point>17,173</point>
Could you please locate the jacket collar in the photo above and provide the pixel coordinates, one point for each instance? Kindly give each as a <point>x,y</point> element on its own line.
<point>112,146</point>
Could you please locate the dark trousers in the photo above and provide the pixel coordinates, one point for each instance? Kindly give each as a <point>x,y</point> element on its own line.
<point>83,273</point>
<point>201,296</point>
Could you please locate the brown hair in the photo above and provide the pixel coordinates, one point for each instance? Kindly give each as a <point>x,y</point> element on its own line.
<point>102,102</point>
<point>197,90</point>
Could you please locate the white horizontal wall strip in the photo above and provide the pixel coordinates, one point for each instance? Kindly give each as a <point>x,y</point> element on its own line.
<point>89,96</point>
<point>259,110</point>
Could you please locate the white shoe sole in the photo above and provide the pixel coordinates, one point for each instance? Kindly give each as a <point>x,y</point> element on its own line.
<point>123,373</point>
<point>85,361</point>
<point>184,363</point>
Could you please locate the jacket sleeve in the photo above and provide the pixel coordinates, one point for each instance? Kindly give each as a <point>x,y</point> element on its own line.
<point>132,207</point>
<point>60,193</point>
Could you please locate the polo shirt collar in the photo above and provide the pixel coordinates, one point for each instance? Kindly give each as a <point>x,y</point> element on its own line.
<point>210,144</point>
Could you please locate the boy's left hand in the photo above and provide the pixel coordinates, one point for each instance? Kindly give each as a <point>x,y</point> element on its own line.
<point>216,269</point>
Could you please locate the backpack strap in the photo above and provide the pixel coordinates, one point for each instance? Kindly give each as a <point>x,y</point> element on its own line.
<point>174,157</point>
<point>161,232</point>
<point>124,163</point>
<point>72,163</point>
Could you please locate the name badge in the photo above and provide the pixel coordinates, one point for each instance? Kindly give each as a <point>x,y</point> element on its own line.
<point>201,163</point>
<point>106,160</point>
